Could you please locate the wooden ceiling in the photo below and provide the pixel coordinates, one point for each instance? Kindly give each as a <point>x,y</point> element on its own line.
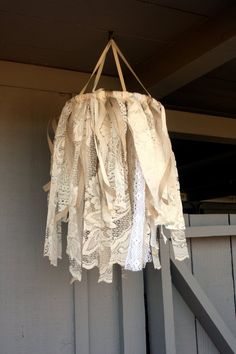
<point>183,50</point>
<point>176,46</point>
<point>213,93</point>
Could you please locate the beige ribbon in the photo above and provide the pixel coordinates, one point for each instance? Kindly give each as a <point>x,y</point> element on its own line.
<point>53,123</point>
<point>100,64</point>
<point>97,118</point>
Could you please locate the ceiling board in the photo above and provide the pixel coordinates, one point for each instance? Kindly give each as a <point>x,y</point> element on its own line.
<point>66,46</point>
<point>206,8</point>
<point>71,35</point>
<point>225,72</point>
<point>214,93</point>
<point>127,17</point>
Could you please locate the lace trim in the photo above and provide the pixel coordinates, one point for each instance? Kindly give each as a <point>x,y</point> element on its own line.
<point>113,179</point>
<point>134,260</point>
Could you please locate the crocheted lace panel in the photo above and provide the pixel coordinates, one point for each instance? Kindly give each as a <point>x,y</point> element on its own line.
<point>114,180</point>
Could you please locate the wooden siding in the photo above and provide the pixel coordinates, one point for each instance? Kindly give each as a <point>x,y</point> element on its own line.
<point>40,312</point>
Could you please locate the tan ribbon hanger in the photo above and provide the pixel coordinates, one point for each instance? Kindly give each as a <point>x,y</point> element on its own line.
<point>98,71</point>
<point>100,64</point>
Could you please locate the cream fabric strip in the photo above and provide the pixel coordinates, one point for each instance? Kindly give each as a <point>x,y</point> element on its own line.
<point>103,233</point>
<point>113,179</point>
<point>100,64</point>
<point>129,67</point>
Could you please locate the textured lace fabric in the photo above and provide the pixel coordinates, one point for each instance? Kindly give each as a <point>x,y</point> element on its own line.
<point>114,181</point>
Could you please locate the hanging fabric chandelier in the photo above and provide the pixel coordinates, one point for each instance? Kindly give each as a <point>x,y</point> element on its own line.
<point>113,180</point>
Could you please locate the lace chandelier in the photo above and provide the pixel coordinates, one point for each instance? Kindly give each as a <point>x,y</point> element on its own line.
<point>113,180</point>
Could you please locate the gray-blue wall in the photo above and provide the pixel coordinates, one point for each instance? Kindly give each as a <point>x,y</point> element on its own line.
<point>40,312</point>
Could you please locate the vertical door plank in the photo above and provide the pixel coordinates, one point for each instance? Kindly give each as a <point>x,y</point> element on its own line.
<point>184,319</point>
<point>133,313</point>
<point>185,331</point>
<point>212,268</point>
<point>103,315</point>
<point>167,296</point>
<point>81,315</point>
<point>232,219</point>
<point>154,310</point>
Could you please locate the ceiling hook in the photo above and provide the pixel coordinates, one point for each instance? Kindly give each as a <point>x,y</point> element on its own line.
<point>110,35</point>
